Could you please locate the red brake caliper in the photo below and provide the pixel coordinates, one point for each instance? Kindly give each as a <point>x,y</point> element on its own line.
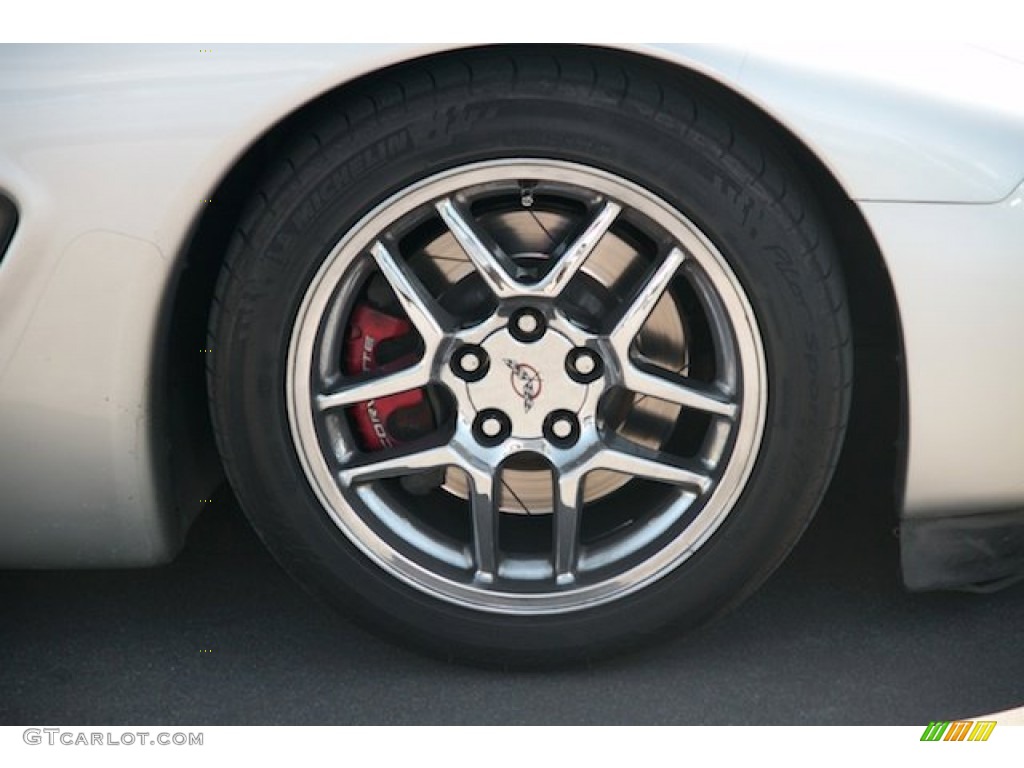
<point>379,341</point>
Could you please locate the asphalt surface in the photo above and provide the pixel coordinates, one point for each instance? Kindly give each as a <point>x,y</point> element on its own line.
<point>222,636</point>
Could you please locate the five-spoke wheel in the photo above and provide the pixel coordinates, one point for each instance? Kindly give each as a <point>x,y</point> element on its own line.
<point>540,351</point>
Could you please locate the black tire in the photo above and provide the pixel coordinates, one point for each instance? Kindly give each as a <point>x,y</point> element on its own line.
<point>624,117</point>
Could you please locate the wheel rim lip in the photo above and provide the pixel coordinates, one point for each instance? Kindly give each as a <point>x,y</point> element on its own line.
<point>741,322</point>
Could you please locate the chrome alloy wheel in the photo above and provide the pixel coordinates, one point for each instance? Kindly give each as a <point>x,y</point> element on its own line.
<point>613,368</point>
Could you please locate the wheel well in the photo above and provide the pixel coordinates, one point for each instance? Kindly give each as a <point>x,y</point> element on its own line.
<point>877,420</point>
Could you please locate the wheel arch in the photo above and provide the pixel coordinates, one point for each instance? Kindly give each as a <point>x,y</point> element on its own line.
<point>878,411</point>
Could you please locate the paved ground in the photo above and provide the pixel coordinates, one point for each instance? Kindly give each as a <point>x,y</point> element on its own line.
<point>831,639</point>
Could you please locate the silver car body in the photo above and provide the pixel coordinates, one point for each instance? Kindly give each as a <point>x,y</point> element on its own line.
<point>112,154</point>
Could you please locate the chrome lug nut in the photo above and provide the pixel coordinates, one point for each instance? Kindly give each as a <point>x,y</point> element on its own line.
<point>470,363</point>
<point>491,427</point>
<point>562,428</point>
<point>584,365</point>
<point>527,324</point>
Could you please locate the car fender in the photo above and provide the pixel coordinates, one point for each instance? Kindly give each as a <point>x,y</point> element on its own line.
<point>112,154</point>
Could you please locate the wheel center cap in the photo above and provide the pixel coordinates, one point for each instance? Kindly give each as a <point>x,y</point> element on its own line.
<point>526,381</point>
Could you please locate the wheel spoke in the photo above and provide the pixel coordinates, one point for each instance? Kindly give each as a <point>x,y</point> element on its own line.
<point>676,389</point>
<point>484,509</point>
<point>375,387</point>
<point>632,459</point>
<point>369,467</point>
<point>576,255</point>
<point>568,496</point>
<point>635,315</point>
<point>494,266</point>
<point>420,307</point>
